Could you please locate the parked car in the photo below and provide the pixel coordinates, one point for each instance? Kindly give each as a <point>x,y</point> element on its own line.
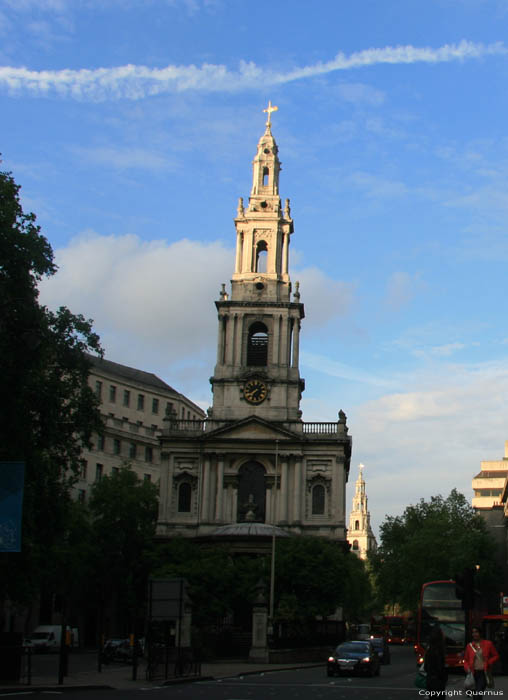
<point>120,649</point>
<point>381,647</point>
<point>354,657</point>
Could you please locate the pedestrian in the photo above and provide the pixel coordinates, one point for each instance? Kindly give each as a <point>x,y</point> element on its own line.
<point>435,665</point>
<point>479,657</point>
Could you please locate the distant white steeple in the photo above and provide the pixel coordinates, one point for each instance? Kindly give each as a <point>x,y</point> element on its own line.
<point>360,535</point>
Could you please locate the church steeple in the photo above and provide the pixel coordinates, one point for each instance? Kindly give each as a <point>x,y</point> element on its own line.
<point>263,228</point>
<point>257,368</point>
<point>360,535</point>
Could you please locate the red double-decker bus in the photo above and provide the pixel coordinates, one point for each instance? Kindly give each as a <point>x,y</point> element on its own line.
<point>439,605</point>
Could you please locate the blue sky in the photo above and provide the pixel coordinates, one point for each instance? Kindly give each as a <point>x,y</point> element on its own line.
<point>131,126</point>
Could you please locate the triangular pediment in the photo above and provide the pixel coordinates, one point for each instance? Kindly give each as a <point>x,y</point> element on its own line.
<point>253,428</point>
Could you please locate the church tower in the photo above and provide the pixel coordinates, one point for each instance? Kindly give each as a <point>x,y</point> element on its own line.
<point>254,461</point>
<point>360,535</point>
<point>259,325</point>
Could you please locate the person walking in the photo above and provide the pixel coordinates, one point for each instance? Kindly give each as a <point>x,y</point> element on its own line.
<point>435,666</point>
<point>479,657</point>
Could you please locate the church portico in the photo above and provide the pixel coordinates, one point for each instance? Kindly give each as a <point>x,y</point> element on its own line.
<point>254,460</point>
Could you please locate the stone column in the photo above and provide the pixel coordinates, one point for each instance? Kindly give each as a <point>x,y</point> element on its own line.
<point>259,649</point>
<point>238,260</point>
<point>185,631</point>
<point>220,489</point>
<point>297,491</point>
<point>205,490</point>
<point>283,494</point>
<point>221,339</point>
<point>285,253</point>
<point>276,339</point>
<point>296,341</point>
<point>230,340</point>
<point>238,340</point>
<point>284,345</point>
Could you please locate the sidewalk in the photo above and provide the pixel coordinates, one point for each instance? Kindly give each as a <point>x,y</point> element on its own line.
<point>120,677</point>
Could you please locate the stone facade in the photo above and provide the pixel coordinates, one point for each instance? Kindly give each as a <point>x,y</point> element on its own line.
<point>133,405</point>
<point>360,535</point>
<point>254,458</point>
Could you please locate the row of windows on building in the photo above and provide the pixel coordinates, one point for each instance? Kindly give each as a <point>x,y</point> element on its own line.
<point>488,492</point>
<point>140,401</point>
<point>134,450</point>
<point>185,491</point>
<point>99,473</point>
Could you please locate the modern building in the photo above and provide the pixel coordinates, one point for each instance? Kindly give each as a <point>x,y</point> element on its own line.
<point>490,500</point>
<point>133,405</point>
<point>489,483</point>
<point>254,459</point>
<point>360,535</point>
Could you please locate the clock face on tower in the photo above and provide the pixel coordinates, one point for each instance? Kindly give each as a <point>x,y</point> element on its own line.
<point>255,391</point>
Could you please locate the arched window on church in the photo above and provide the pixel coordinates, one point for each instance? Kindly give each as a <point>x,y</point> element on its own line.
<point>318,500</point>
<point>261,256</point>
<point>356,546</point>
<point>184,497</point>
<point>266,175</point>
<point>357,524</point>
<point>257,345</point>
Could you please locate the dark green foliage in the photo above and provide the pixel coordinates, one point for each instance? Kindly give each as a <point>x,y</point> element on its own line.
<point>49,410</point>
<point>219,584</point>
<point>314,576</point>
<point>124,515</point>
<point>432,540</point>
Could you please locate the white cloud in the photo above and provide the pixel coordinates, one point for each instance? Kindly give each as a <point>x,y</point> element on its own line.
<point>138,82</point>
<point>429,440</point>
<point>153,302</point>
<point>325,299</point>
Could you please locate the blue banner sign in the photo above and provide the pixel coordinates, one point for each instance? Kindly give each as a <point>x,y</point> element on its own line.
<point>12,479</point>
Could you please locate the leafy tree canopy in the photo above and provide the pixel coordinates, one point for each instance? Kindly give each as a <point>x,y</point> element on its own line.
<point>432,540</point>
<point>124,512</point>
<point>314,576</point>
<point>52,412</point>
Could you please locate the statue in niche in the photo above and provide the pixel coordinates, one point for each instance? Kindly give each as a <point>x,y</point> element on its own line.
<point>250,509</point>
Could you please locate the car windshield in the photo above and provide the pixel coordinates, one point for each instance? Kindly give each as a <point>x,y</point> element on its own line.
<point>355,647</point>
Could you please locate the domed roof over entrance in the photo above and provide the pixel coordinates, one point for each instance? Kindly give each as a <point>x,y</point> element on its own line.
<point>249,529</point>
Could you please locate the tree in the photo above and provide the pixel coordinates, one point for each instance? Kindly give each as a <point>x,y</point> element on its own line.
<point>314,576</point>
<point>124,513</point>
<point>49,410</point>
<point>430,541</point>
<point>218,583</point>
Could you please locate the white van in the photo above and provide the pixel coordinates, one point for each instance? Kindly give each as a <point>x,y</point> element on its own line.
<point>48,637</point>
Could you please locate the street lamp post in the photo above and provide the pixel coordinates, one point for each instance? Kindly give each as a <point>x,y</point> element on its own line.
<point>272,571</point>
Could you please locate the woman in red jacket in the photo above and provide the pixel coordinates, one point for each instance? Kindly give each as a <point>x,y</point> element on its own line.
<point>479,657</point>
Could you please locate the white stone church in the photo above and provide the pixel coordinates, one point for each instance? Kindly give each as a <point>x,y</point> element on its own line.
<point>253,459</point>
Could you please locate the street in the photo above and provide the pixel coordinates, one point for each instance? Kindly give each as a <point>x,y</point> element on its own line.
<point>394,683</point>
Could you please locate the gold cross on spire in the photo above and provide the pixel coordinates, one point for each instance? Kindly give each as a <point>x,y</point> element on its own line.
<point>270,109</point>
